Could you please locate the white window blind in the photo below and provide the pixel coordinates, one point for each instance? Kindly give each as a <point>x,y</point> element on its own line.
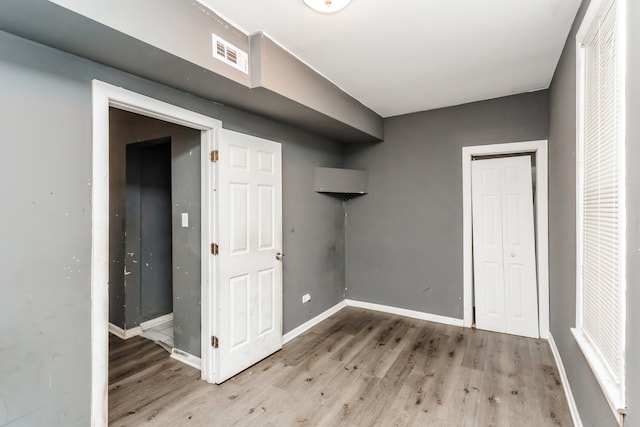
<point>600,201</point>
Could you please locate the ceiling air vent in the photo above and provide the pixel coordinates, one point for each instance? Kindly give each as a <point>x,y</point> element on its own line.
<point>230,55</point>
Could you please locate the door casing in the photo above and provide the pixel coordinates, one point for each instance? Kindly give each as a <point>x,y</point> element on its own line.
<point>539,150</point>
<point>104,96</point>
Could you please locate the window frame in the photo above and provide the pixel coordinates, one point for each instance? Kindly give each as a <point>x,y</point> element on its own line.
<point>613,388</point>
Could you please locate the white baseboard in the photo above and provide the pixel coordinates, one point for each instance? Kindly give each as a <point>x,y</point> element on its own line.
<point>404,312</point>
<point>186,358</point>
<point>134,332</point>
<point>157,321</point>
<point>312,322</point>
<point>116,330</point>
<point>124,334</point>
<point>573,408</point>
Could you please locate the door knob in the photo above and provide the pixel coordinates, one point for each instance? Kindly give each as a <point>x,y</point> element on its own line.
<point>513,254</point>
<point>279,256</point>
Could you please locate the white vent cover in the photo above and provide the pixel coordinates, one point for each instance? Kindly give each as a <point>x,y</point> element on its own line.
<point>229,54</point>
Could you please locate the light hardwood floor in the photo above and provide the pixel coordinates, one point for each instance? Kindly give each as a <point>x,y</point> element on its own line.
<point>357,368</point>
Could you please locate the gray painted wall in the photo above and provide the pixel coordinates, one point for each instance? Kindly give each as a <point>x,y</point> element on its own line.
<point>46,239</point>
<point>124,293</point>
<point>46,235</point>
<point>148,242</point>
<point>185,196</point>
<point>404,238</point>
<point>155,231</point>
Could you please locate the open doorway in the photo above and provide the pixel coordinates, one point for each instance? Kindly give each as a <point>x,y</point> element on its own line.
<point>155,232</point>
<point>155,252</point>
<point>106,99</point>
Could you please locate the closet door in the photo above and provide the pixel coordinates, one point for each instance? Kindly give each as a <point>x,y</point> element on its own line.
<point>505,282</point>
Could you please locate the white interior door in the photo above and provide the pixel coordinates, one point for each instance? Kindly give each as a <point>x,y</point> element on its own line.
<point>249,288</point>
<point>505,283</point>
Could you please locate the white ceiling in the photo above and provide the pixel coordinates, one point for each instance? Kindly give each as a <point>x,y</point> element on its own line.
<point>402,56</point>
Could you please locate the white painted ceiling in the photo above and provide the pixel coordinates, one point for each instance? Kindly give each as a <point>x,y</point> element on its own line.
<point>403,56</point>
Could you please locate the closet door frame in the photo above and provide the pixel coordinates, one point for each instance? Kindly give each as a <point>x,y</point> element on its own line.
<point>539,150</point>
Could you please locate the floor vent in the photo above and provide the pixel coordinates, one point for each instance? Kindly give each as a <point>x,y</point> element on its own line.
<point>230,55</point>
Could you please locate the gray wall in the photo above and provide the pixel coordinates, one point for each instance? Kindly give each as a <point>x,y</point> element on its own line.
<point>46,234</point>
<point>45,134</point>
<point>148,226</point>
<point>155,231</point>
<point>404,238</point>
<point>124,280</point>
<point>126,128</point>
<point>185,196</point>
<point>633,213</point>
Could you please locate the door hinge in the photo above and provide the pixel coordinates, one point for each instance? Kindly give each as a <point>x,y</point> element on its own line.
<point>214,249</point>
<point>214,342</point>
<point>214,156</point>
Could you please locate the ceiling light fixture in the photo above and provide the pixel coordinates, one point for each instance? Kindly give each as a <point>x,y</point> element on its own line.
<point>327,6</point>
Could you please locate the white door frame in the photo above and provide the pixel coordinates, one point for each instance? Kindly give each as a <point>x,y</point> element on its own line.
<point>539,150</point>
<point>104,96</point>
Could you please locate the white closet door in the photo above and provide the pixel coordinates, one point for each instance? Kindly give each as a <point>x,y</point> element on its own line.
<point>505,283</point>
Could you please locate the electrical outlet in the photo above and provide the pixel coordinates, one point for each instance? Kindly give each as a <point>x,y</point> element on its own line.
<point>306,298</point>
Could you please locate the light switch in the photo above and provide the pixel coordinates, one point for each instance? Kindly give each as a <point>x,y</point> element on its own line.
<point>185,219</point>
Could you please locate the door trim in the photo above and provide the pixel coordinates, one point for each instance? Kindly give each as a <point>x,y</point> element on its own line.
<point>104,96</point>
<point>539,149</point>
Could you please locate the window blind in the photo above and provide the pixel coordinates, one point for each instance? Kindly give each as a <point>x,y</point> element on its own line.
<point>601,196</point>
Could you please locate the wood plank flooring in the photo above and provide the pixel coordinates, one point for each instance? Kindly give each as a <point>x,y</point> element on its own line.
<point>357,368</point>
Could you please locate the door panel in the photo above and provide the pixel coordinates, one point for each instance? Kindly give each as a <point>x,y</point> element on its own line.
<point>519,248</point>
<point>503,246</point>
<point>487,240</point>
<point>493,292</point>
<point>239,310</point>
<point>238,158</point>
<point>515,291</point>
<point>239,218</point>
<point>266,162</point>
<point>266,285</point>
<point>266,215</point>
<point>249,291</point>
